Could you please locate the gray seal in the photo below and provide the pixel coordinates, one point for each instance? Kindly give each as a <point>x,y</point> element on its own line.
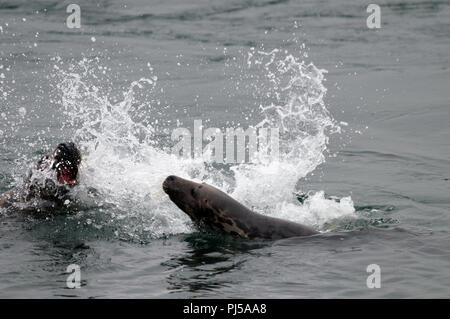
<point>209,207</point>
<point>63,162</point>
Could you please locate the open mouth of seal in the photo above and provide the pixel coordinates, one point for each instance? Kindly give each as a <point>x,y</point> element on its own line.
<point>66,176</point>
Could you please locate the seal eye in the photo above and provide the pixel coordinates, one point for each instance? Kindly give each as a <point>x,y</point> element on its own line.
<point>193,192</point>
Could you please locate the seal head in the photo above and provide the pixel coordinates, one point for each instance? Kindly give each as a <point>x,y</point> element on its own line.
<point>66,159</point>
<point>185,194</point>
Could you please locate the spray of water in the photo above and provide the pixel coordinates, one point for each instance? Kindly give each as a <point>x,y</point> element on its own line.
<point>123,167</point>
<point>293,93</point>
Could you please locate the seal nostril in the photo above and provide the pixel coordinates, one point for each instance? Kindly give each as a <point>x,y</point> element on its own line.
<point>171,178</point>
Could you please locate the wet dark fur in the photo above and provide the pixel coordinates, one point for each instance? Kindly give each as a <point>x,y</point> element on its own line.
<point>65,156</point>
<point>209,207</point>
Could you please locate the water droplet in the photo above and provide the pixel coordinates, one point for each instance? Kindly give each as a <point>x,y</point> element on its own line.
<point>22,111</point>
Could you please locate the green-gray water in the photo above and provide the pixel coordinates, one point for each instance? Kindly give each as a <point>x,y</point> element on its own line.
<point>387,92</point>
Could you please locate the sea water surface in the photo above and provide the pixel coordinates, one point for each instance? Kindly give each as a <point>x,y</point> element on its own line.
<point>364,130</point>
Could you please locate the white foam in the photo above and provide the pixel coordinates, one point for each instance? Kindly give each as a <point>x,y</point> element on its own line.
<point>316,210</point>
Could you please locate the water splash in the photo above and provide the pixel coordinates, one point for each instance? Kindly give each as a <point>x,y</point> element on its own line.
<point>122,169</point>
<point>123,166</point>
<point>293,93</point>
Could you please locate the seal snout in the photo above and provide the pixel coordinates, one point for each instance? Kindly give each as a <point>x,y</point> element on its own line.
<point>168,182</point>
